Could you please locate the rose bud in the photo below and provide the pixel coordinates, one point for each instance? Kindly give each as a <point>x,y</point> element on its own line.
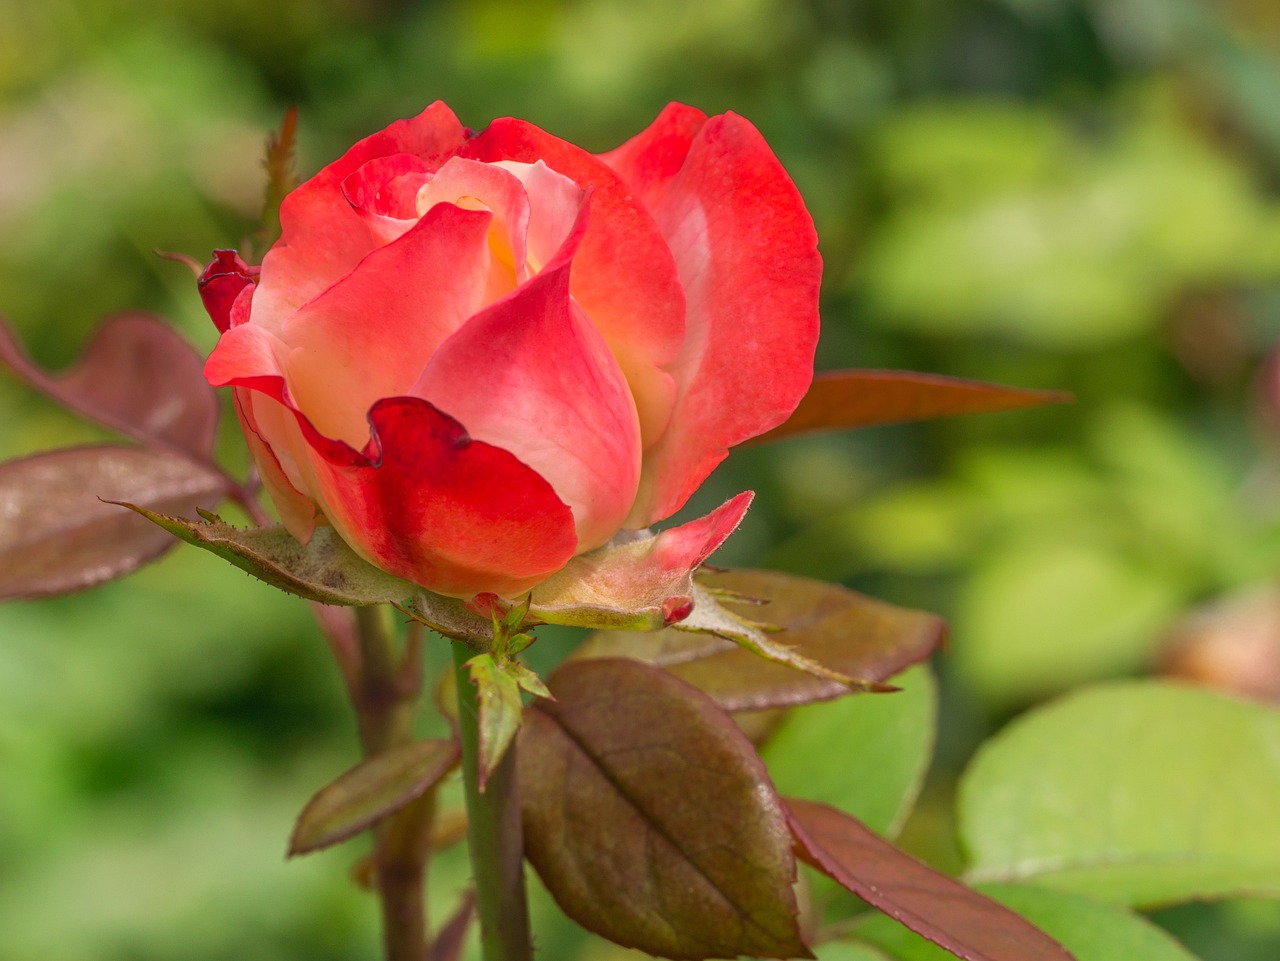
<point>478,355</point>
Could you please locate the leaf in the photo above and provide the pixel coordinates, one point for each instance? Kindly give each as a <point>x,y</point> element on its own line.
<point>650,818</point>
<point>864,755</point>
<point>955,917</point>
<point>57,536</point>
<point>848,635</point>
<point>500,709</point>
<point>325,570</point>
<point>138,377</point>
<point>374,789</point>
<point>1139,793</point>
<point>1091,931</point>
<point>846,399</point>
<point>639,581</point>
<point>282,177</point>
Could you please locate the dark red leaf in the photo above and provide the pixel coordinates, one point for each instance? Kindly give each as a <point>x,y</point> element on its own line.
<point>846,399</point>
<point>857,636</point>
<point>968,924</point>
<point>57,536</point>
<point>138,377</point>
<point>651,819</point>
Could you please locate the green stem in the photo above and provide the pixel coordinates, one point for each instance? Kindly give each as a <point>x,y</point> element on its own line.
<point>494,834</point>
<point>386,701</point>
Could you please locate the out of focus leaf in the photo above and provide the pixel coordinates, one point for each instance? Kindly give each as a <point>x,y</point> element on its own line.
<point>138,377</point>
<point>957,918</point>
<point>849,635</point>
<point>372,790</point>
<point>866,756</point>
<point>282,177</point>
<point>1138,793</point>
<point>57,534</point>
<point>499,708</point>
<point>650,818</point>
<point>325,570</point>
<point>451,937</point>
<point>1091,931</point>
<point>845,399</point>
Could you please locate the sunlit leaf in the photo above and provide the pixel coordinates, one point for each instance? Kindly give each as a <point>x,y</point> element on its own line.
<point>57,534</point>
<point>959,919</point>
<point>846,399</point>
<point>138,377</point>
<point>650,818</point>
<point>372,790</point>
<point>866,756</point>
<point>325,570</point>
<point>841,631</point>
<point>1091,931</point>
<point>499,707</point>
<point>1138,793</point>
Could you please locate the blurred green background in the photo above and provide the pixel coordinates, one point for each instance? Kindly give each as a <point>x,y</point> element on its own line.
<point>1076,194</point>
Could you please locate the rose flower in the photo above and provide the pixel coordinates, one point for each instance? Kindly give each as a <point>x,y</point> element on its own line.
<point>478,355</point>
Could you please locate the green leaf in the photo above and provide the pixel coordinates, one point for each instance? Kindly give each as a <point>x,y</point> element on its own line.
<point>60,529</point>
<point>959,919</point>
<point>823,641</point>
<point>498,700</point>
<point>846,399</point>
<point>650,818</point>
<point>846,951</point>
<point>1091,931</point>
<point>1139,793</point>
<point>325,570</point>
<point>864,755</point>
<point>375,788</point>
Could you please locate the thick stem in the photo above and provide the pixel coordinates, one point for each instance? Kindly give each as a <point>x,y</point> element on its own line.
<point>495,835</point>
<point>386,700</point>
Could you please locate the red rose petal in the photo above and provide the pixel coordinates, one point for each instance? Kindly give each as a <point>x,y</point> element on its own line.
<point>747,254</point>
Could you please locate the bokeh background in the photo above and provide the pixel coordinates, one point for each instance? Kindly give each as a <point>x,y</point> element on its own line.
<point>1076,194</point>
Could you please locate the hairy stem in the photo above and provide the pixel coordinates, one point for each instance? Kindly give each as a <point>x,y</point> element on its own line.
<point>386,699</point>
<point>495,836</point>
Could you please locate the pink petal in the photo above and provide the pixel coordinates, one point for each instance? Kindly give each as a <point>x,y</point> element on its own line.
<point>532,376</point>
<point>747,254</point>
<point>323,237</point>
<point>623,275</point>
<point>368,335</point>
<point>297,510</point>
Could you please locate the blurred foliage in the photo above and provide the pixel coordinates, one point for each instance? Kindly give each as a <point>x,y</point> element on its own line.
<point>1076,194</point>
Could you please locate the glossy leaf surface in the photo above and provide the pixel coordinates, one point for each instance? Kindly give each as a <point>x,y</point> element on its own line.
<point>137,376</point>
<point>372,790</point>
<point>959,919</point>
<point>1090,930</point>
<point>1139,793</point>
<point>57,534</point>
<point>825,624</point>
<point>650,818</point>
<point>845,399</point>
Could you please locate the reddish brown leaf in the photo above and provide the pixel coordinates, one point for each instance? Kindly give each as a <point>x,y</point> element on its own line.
<point>57,536</point>
<point>650,818</point>
<point>452,935</point>
<point>374,789</point>
<point>968,924</point>
<point>848,632</point>
<point>846,399</point>
<point>138,377</point>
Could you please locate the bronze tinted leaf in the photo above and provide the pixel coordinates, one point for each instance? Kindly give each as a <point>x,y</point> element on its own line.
<point>846,399</point>
<point>375,788</point>
<point>137,377</point>
<point>848,632</point>
<point>968,924</point>
<point>56,533</point>
<point>650,818</point>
